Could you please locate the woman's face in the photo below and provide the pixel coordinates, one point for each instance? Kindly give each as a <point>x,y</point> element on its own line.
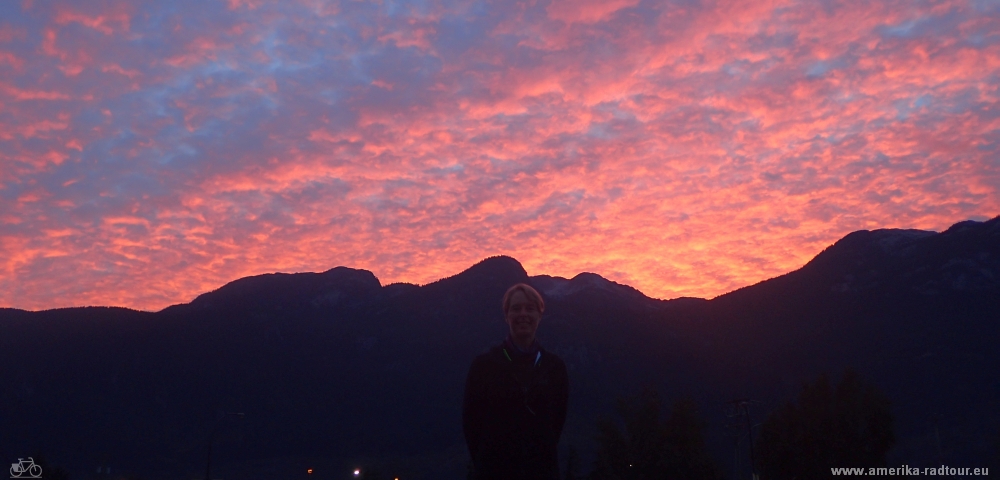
<point>522,316</point>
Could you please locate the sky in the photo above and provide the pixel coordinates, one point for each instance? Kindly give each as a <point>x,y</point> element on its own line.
<point>153,151</point>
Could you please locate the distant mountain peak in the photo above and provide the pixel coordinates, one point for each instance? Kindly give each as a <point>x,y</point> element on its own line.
<point>498,265</point>
<point>561,287</point>
<point>893,241</point>
<point>356,276</point>
<point>992,225</point>
<point>496,271</point>
<point>590,279</point>
<point>896,241</point>
<point>963,257</point>
<point>289,288</point>
<point>498,261</point>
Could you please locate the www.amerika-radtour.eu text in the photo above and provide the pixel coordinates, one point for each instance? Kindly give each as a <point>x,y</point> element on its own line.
<point>907,470</point>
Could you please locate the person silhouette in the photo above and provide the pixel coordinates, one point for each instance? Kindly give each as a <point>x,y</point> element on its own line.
<point>515,401</point>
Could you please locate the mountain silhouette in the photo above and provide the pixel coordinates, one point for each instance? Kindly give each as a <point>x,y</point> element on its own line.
<point>334,370</point>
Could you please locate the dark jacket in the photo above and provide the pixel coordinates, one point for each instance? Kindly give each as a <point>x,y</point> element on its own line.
<point>513,413</point>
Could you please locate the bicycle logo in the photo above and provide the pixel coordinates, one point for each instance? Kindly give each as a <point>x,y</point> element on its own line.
<point>22,467</point>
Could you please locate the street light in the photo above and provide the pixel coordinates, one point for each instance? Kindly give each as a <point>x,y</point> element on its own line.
<point>211,437</point>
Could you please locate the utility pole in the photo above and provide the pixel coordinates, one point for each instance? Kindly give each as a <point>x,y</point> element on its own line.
<point>741,407</point>
<point>753,464</point>
<point>211,438</point>
<point>735,429</point>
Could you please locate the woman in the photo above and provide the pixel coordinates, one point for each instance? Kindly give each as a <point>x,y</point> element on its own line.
<point>515,399</point>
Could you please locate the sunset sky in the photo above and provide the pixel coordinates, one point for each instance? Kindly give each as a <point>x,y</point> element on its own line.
<point>153,151</point>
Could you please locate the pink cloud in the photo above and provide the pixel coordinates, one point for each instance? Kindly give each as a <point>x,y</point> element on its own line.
<point>11,59</point>
<point>682,149</point>
<point>101,23</point>
<point>24,94</point>
<point>121,71</point>
<point>586,11</point>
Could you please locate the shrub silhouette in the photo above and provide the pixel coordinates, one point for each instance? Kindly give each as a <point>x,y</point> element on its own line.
<point>850,425</point>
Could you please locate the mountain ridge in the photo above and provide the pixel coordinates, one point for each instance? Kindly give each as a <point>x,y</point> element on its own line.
<point>317,374</point>
<point>891,241</point>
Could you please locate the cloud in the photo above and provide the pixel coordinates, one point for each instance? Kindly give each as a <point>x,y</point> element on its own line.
<point>151,152</point>
<point>586,11</point>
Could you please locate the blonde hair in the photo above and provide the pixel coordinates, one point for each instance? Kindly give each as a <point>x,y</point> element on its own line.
<point>529,292</point>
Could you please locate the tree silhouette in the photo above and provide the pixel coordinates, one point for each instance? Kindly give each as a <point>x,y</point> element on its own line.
<point>849,425</point>
<point>649,449</point>
<point>688,458</point>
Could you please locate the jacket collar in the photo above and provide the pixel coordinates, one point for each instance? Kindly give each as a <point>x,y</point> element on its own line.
<point>515,352</point>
